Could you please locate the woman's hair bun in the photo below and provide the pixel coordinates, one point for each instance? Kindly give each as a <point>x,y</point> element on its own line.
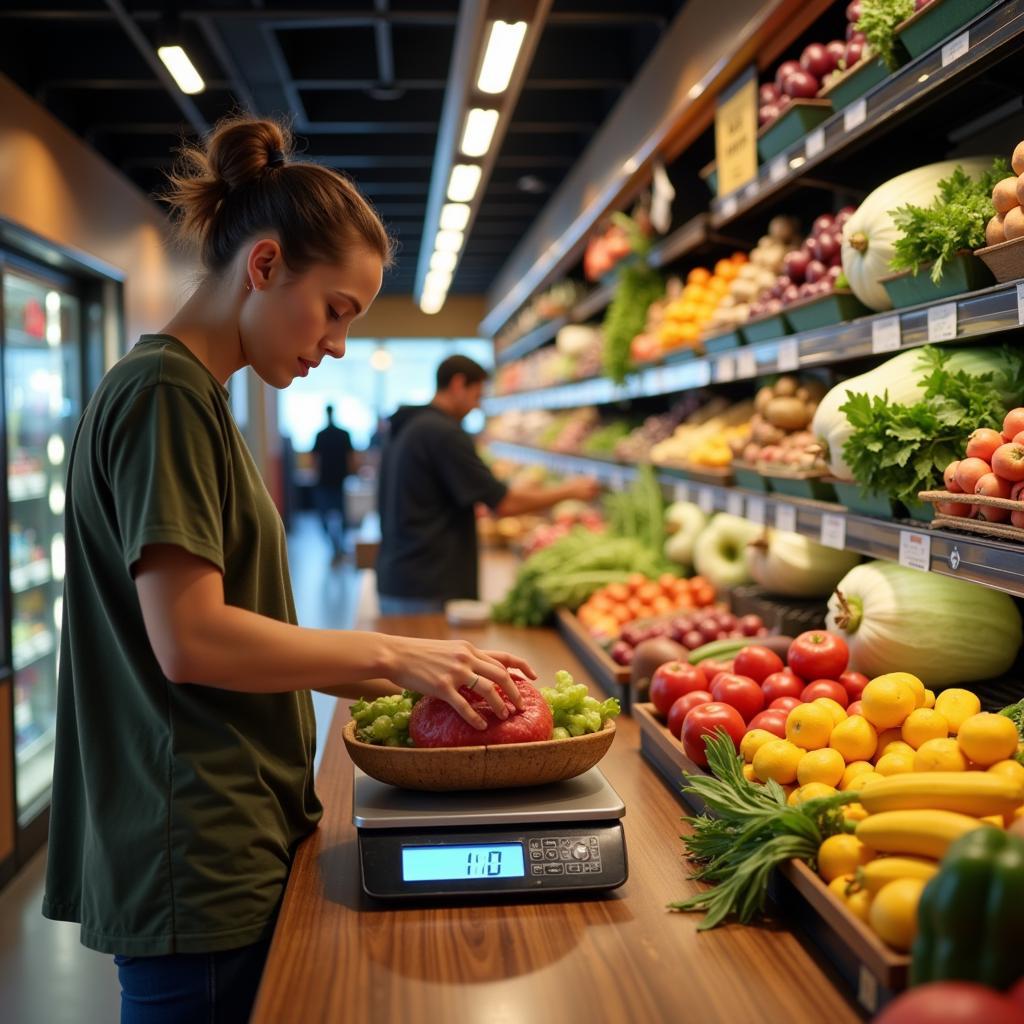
<point>244,148</point>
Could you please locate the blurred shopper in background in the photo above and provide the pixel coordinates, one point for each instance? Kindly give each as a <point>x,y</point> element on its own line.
<point>335,460</point>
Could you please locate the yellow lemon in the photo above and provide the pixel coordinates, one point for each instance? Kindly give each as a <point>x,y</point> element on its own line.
<point>841,884</point>
<point>1011,769</point>
<point>940,756</point>
<point>886,701</point>
<point>809,726</point>
<point>895,763</point>
<point>885,737</point>
<point>859,781</point>
<point>748,773</point>
<point>833,707</point>
<point>753,741</point>
<point>810,791</point>
<point>777,760</point>
<point>854,812</point>
<point>855,738</point>
<point>825,765</point>
<point>895,747</point>
<point>841,855</point>
<point>929,698</point>
<point>853,769</point>
<point>859,904</point>
<point>957,706</point>
<point>986,738</point>
<point>924,724</point>
<point>893,914</point>
<point>915,684</point>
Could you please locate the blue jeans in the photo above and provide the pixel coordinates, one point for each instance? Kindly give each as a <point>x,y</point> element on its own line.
<point>410,605</point>
<point>191,988</point>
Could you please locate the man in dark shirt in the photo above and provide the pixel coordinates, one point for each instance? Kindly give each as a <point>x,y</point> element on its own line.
<point>334,459</point>
<point>431,480</point>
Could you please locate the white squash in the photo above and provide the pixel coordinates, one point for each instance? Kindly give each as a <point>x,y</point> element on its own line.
<point>574,339</point>
<point>870,234</point>
<point>684,522</point>
<point>720,553</point>
<point>795,566</point>
<point>945,631</point>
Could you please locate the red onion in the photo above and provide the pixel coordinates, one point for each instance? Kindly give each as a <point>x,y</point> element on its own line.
<point>795,264</point>
<point>801,85</point>
<point>786,68</point>
<point>825,222</point>
<point>853,11</point>
<point>854,51</point>
<point>769,93</point>
<point>837,48</point>
<point>816,270</point>
<point>816,60</point>
<point>826,245</point>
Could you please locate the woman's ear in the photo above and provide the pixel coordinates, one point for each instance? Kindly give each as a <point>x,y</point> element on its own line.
<point>264,263</point>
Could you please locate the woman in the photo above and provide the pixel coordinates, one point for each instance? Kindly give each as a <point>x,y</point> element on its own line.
<point>183,779</point>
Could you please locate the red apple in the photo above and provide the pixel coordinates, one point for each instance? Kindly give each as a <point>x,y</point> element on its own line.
<point>983,443</point>
<point>769,93</point>
<point>994,486</point>
<point>969,472</point>
<point>795,264</point>
<point>837,48</point>
<point>816,270</point>
<point>854,51</point>
<point>1008,463</point>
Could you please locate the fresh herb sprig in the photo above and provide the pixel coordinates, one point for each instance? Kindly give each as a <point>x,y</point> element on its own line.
<point>955,220</point>
<point>878,21</point>
<point>753,832</point>
<point>903,449</point>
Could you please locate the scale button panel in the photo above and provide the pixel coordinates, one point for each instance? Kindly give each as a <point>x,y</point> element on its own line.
<point>568,850</point>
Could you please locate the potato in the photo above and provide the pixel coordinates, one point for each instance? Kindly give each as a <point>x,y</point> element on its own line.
<point>1018,159</point>
<point>1004,195</point>
<point>1013,224</point>
<point>762,398</point>
<point>1020,190</point>
<point>785,387</point>
<point>787,413</point>
<point>994,230</point>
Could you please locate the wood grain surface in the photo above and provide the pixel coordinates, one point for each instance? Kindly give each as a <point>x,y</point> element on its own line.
<point>337,955</point>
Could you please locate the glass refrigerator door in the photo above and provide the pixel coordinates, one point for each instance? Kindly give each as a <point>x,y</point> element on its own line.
<point>42,377</point>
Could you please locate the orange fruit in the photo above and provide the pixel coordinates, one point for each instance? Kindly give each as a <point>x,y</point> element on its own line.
<point>886,702</point>
<point>924,724</point>
<point>986,738</point>
<point>809,726</point>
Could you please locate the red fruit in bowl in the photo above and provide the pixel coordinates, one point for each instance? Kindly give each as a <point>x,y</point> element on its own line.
<point>1013,423</point>
<point>969,472</point>
<point>1008,463</point>
<point>983,443</point>
<point>785,69</point>
<point>785,683</point>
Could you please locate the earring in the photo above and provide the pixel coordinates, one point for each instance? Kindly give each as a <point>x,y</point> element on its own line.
<point>248,286</point>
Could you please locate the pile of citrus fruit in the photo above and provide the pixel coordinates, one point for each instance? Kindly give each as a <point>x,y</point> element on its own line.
<point>686,316</point>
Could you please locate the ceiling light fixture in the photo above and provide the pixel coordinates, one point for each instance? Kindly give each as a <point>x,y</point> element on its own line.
<point>182,70</point>
<point>431,302</point>
<point>480,125</point>
<point>380,360</point>
<point>454,216</point>
<point>444,261</point>
<point>462,185</point>
<point>437,281</point>
<point>448,241</point>
<point>500,55</point>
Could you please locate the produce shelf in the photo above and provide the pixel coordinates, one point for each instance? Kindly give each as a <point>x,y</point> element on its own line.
<point>992,563</point>
<point>34,574</point>
<point>608,674</point>
<point>873,972</point>
<point>978,315</point>
<point>992,35</point>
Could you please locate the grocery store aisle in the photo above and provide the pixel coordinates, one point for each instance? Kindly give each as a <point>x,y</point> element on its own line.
<point>46,975</point>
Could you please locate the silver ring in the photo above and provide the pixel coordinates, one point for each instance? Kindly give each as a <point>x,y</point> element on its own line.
<point>476,679</point>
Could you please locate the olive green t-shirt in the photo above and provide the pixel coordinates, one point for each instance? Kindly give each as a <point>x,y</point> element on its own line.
<point>176,807</point>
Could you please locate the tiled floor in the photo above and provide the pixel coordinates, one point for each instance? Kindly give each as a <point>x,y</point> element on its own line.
<point>46,975</point>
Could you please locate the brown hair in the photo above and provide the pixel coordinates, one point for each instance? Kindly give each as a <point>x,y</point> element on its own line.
<point>242,182</point>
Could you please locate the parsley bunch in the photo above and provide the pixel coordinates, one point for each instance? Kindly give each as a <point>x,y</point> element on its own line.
<point>900,450</point>
<point>955,220</point>
<point>878,21</point>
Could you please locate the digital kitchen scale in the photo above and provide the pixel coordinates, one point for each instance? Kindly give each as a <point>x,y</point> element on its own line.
<point>564,838</point>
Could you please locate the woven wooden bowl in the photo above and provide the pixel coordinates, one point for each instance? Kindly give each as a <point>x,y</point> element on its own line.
<point>503,766</point>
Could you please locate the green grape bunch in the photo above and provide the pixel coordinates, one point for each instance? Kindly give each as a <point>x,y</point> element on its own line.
<point>575,712</point>
<point>385,721</point>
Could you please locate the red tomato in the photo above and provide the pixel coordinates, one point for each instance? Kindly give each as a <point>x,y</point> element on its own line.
<point>757,663</point>
<point>818,655</point>
<point>682,707</point>
<point>786,704</point>
<point>782,684</point>
<point>673,680</point>
<point>951,1002</point>
<point>711,668</point>
<point>825,688</point>
<point>703,721</point>
<point>856,708</point>
<point>774,720</point>
<point>854,683</point>
<point>739,691</point>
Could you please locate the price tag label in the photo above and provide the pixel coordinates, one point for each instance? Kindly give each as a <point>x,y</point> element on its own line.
<point>942,322</point>
<point>915,550</point>
<point>855,114</point>
<point>785,518</point>
<point>734,504</point>
<point>725,370</point>
<point>815,143</point>
<point>833,531</point>
<point>778,169</point>
<point>885,334</point>
<point>1020,303</point>
<point>706,500</point>
<point>681,492</point>
<point>750,192</point>
<point>702,374</point>
<point>956,48</point>
<point>730,204</point>
<point>756,510</point>
<point>789,355</point>
<point>746,363</point>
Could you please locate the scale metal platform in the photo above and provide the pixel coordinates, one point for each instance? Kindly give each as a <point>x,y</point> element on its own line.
<point>565,838</point>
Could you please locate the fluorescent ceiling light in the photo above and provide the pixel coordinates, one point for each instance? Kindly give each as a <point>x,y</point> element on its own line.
<point>449,241</point>
<point>480,125</point>
<point>431,302</point>
<point>462,185</point>
<point>437,281</point>
<point>380,360</point>
<point>454,216</point>
<point>182,69</point>
<point>503,46</point>
<point>443,261</point>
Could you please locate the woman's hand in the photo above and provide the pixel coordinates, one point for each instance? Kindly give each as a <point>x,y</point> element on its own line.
<point>437,668</point>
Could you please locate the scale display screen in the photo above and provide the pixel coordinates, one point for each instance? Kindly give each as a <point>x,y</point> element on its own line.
<point>445,863</point>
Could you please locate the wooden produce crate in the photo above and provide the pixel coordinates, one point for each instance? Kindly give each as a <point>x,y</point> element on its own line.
<point>608,674</point>
<point>998,531</point>
<point>874,973</point>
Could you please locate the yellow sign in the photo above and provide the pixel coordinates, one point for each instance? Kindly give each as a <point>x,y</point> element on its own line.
<point>736,134</point>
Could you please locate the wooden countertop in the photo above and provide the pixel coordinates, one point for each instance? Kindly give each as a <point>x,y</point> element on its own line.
<point>338,956</point>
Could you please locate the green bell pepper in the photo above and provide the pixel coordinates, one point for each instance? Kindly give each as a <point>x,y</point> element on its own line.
<point>971,914</point>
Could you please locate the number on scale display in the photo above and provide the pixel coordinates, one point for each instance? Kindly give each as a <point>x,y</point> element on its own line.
<point>447,863</point>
